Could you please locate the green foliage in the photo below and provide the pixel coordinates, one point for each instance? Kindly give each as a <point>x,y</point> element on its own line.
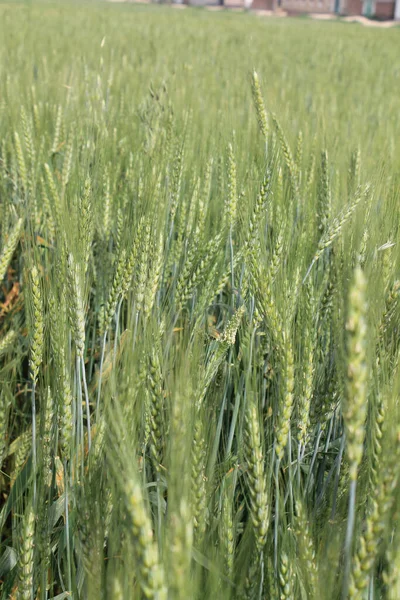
<point>199,306</point>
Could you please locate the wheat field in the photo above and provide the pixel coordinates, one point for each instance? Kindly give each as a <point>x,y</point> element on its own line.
<point>199,306</point>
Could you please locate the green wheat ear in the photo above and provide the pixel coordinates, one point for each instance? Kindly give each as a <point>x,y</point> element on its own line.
<point>355,404</point>
<point>37,325</point>
<point>259,104</point>
<point>9,248</point>
<point>25,589</point>
<point>254,456</point>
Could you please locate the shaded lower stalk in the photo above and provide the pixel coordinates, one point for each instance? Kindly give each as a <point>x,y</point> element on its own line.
<point>232,265</point>
<point>67,540</point>
<point>85,389</point>
<point>80,411</point>
<point>103,348</point>
<point>276,524</point>
<point>290,472</point>
<point>34,456</point>
<point>319,435</point>
<point>117,317</point>
<point>349,537</point>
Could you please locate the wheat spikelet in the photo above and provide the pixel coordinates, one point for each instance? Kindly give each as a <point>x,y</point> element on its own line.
<point>285,578</point>
<point>376,423</point>
<point>382,502</point>
<point>391,304</point>
<point>156,264</point>
<point>25,588</point>
<point>133,257</point>
<point>142,269</point>
<point>231,201</point>
<point>7,341</point>
<point>21,452</point>
<point>76,311</point>
<point>354,409</point>
<point>262,201</point>
<point>57,129</point>
<point>204,198</point>
<point>335,228</point>
<point>4,410</point>
<point>63,386</point>
<point>106,224</point>
<point>198,478</point>
<point>148,568</point>
<point>27,130</point>
<point>186,286</point>
<point>119,232</point>
<point>180,519</point>
<point>154,378</point>
<point>86,223</point>
<point>37,325</point>
<point>298,159</point>
<point>227,530</point>
<point>151,572</point>
<point>21,163</point>
<point>310,340</point>
<point>57,208</point>
<point>9,249</point>
<point>391,575</point>
<point>284,417</point>
<point>47,436</point>
<point>353,178</point>
<point>324,194</point>
<point>66,170</point>
<point>115,293</point>
<point>36,118</point>
<point>306,551</point>
<point>49,221</point>
<point>43,529</point>
<point>180,546</point>
<point>310,174</point>
<point>176,182</point>
<point>275,262</point>
<point>287,154</point>
<point>259,105</point>
<point>256,474</point>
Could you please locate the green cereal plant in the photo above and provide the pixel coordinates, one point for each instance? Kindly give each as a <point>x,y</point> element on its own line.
<point>7,341</point>
<point>10,247</point>
<point>335,228</point>
<point>259,105</point>
<point>25,589</point>
<point>255,460</point>
<point>355,402</point>
<point>199,305</point>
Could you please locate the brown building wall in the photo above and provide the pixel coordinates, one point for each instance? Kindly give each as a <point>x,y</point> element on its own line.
<point>384,10</point>
<point>352,7</point>
<point>263,4</point>
<point>308,6</point>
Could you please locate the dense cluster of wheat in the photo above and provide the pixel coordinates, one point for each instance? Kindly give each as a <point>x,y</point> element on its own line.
<point>199,341</point>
